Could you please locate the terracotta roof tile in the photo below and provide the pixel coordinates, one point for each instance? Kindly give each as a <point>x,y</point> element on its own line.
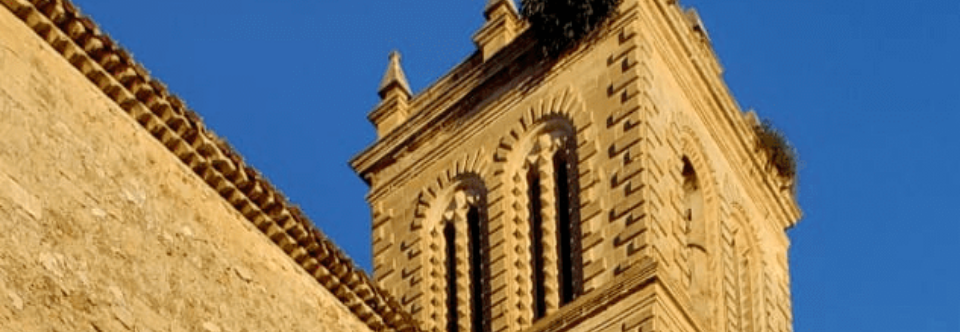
<point>181,130</point>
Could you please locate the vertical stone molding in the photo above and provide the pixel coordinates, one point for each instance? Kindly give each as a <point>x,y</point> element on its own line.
<point>502,26</point>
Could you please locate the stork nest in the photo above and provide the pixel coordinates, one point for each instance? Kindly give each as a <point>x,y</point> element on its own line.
<point>782,156</point>
<point>560,25</point>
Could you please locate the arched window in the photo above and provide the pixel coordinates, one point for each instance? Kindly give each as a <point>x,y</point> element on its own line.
<point>693,207</point>
<point>698,280</point>
<point>477,281</point>
<point>738,254</point>
<point>465,248</point>
<point>551,174</point>
<point>568,225</point>
<point>450,240</point>
<point>536,242</point>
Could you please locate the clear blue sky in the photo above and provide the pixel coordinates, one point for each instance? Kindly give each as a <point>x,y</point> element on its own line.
<point>868,91</point>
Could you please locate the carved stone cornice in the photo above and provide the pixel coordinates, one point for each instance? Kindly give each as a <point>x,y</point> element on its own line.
<point>516,65</point>
<point>644,275</point>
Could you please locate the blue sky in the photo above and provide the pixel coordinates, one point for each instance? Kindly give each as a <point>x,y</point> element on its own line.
<point>868,91</point>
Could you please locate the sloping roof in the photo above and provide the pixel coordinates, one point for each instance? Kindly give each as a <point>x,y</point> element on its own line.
<point>111,68</point>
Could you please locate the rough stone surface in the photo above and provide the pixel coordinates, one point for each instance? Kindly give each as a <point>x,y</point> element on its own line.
<point>103,229</point>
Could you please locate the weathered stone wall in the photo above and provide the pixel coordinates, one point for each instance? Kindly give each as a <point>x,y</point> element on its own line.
<point>103,229</point>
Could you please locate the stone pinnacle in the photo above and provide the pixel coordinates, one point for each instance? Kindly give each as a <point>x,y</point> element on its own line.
<point>394,78</point>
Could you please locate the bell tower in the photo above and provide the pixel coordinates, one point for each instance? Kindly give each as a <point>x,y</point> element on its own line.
<point>615,186</point>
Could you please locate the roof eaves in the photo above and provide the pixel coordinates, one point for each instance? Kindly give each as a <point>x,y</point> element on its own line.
<point>147,100</point>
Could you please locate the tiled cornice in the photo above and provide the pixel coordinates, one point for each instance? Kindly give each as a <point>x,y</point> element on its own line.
<point>148,102</point>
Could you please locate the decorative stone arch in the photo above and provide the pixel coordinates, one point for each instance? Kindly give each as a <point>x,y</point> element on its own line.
<point>468,164</point>
<point>701,236</point>
<point>690,146</point>
<point>735,205</point>
<point>693,148</point>
<point>746,255</point>
<point>557,121</point>
<point>447,201</point>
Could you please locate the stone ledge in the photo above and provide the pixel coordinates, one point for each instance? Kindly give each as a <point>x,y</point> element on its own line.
<point>630,282</point>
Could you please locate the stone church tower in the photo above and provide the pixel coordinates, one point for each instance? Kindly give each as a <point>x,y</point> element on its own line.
<point>617,188</point>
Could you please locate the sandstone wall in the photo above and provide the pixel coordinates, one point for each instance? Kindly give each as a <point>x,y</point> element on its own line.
<point>103,229</point>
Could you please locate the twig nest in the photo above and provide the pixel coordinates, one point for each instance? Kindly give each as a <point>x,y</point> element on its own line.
<point>562,24</point>
<point>781,154</point>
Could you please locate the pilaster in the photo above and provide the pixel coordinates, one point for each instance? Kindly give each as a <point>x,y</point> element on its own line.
<point>502,26</point>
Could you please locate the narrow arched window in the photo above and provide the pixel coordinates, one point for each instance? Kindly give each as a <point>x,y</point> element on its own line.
<point>549,166</point>
<point>697,279</point>
<point>477,295</point>
<point>568,228</point>
<point>465,247</point>
<point>536,242</point>
<point>552,192</point>
<point>450,241</point>
<point>693,207</point>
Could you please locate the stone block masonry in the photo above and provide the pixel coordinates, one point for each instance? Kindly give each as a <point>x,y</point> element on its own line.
<point>623,190</point>
<point>120,211</point>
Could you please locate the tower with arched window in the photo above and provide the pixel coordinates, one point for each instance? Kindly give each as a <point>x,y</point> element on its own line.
<point>616,187</point>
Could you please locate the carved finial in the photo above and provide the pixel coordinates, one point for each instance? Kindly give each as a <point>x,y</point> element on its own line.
<point>394,94</point>
<point>394,78</point>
